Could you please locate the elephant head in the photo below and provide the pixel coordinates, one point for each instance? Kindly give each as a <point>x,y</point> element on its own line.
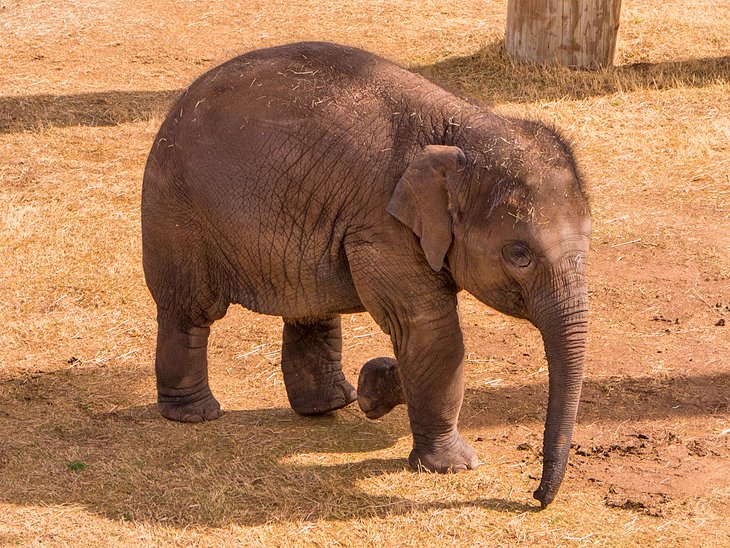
<point>509,219</point>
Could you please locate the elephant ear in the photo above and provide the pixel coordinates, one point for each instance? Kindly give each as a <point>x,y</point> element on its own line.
<point>421,199</point>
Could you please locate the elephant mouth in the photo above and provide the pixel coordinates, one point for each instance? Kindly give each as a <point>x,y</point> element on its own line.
<point>506,300</point>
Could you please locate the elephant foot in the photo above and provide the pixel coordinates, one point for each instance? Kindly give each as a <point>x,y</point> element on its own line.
<point>321,399</point>
<point>310,361</point>
<point>455,455</point>
<point>197,408</point>
<point>379,387</point>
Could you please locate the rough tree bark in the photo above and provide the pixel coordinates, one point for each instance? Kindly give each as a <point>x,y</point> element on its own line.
<point>575,33</point>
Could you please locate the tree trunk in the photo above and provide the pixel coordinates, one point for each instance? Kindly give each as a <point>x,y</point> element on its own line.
<point>575,33</point>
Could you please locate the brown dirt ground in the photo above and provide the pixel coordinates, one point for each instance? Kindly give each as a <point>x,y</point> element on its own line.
<point>86,460</point>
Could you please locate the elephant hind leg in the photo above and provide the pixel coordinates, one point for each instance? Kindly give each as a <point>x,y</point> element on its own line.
<point>311,363</point>
<point>186,285</point>
<point>181,365</point>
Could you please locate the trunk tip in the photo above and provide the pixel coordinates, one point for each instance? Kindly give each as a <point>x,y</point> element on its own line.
<point>544,496</point>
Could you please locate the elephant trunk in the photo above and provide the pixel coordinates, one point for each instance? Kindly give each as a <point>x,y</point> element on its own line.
<point>561,315</point>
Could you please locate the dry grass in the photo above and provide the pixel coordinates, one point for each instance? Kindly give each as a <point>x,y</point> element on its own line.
<point>85,86</point>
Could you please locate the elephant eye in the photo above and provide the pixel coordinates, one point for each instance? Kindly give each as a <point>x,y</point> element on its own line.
<point>518,254</point>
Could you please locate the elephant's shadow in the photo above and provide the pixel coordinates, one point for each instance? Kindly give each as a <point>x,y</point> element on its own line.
<point>80,438</point>
<point>250,467</point>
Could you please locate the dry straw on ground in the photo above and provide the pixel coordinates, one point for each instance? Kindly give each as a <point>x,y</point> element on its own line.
<point>86,460</point>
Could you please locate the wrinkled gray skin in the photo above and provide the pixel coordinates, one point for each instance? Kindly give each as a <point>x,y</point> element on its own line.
<point>311,180</point>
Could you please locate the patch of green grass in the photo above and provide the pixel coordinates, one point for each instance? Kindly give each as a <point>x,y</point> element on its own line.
<point>76,466</point>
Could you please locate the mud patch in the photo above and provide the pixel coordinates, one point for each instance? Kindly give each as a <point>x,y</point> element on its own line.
<point>645,471</point>
<point>650,504</point>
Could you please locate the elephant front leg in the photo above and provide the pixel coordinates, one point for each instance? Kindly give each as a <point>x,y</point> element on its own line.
<point>181,365</point>
<point>379,387</point>
<point>431,360</point>
<point>310,361</point>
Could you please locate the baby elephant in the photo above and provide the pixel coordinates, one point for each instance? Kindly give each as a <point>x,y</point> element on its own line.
<point>312,180</point>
